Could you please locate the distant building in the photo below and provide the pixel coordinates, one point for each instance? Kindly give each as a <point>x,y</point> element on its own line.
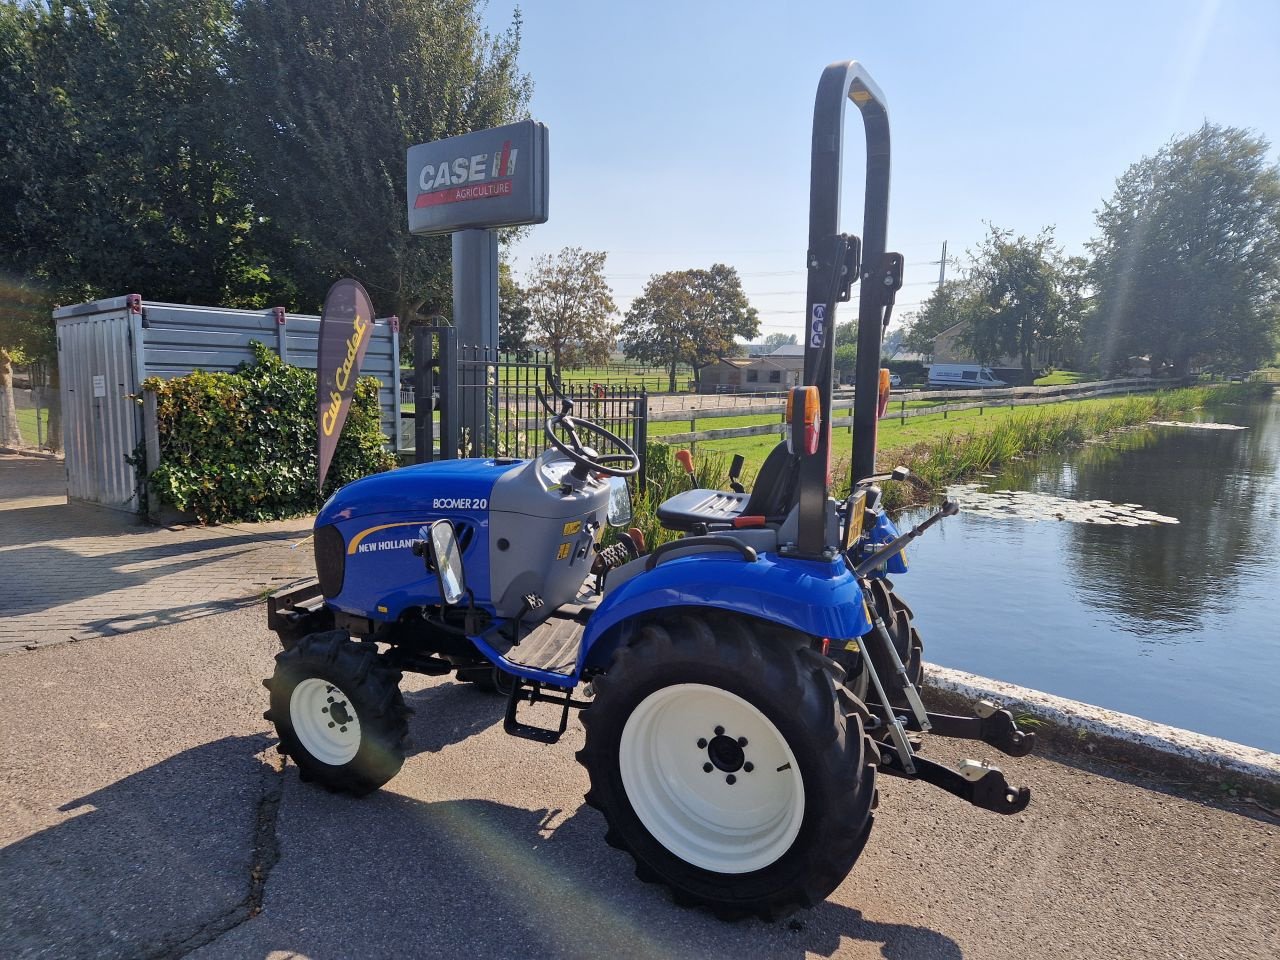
<point>780,370</point>
<point>949,347</point>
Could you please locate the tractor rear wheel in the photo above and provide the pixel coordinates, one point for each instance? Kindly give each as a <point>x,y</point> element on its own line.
<point>338,712</point>
<point>731,763</point>
<point>897,617</point>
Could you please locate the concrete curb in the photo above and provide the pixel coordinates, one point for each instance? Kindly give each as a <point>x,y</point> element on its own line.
<point>1075,727</point>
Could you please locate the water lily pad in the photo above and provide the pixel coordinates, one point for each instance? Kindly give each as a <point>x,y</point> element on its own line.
<point>976,500</point>
<point>1197,426</point>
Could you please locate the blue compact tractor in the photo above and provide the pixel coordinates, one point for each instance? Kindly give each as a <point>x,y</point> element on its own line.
<point>741,687</point>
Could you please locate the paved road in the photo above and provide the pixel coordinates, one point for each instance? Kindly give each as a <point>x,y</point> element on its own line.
<point>139,799</point>
<point>144,813</point>
<point>72,572</point>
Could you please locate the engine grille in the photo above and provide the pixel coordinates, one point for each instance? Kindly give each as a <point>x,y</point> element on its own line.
<point>331,560</point>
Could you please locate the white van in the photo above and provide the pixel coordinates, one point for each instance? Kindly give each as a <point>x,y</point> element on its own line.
<point>963,375</point>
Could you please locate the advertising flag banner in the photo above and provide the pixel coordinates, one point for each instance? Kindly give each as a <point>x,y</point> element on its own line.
<point>346,323</point>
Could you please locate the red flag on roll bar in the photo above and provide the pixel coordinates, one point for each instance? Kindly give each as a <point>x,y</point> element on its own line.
<point>346,323</point>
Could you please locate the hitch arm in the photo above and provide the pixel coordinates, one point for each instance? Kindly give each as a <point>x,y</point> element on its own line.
<point>996,727</point>
<point>992,726</point>
<point>981,785</point>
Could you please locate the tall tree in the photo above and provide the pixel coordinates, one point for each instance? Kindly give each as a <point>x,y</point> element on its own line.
<point>775,340</point>
<point>117,139</point>
<point>330,93</point>
<point>514,318</point>
<point>1187,260</point>
<point>1017,295</point>
<point>946,306</point>
<point>571,307</point>
<point>689,316</point>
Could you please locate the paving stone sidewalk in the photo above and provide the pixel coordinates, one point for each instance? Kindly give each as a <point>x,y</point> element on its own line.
<point>71,572</point>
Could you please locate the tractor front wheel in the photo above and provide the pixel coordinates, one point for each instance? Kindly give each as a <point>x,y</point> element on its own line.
<point>338,712</point>
<point>731,764</point>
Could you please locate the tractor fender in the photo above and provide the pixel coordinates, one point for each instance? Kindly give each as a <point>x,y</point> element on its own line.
<point>813,597</point>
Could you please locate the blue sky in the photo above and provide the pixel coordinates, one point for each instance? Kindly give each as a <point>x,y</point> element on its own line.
<point>679,131</point>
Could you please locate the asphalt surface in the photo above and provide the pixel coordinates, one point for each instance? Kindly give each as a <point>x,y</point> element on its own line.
<point>143,813</point>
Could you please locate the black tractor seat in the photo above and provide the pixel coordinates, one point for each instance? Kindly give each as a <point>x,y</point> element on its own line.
<point>772,497</point>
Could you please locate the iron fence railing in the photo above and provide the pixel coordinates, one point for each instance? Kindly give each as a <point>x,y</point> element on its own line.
<point>472,401</point>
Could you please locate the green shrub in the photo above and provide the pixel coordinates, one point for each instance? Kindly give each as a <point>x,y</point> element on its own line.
<point>242,446</point>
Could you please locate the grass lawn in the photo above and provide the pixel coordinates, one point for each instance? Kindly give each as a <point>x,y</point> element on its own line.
<point>893,434</point>
<point>1062,377</point>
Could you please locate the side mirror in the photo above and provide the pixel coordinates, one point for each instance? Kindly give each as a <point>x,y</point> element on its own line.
<point>619,514</point>
<point>444,557</point>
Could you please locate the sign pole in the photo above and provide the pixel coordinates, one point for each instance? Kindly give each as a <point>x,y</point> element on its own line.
<point>475,317</point>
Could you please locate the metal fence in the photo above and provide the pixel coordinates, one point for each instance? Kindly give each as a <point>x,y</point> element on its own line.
<point>26,404</point>
<point>474,402</point>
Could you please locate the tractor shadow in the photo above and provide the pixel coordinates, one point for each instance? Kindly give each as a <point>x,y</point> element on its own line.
<point>214,848</point>
<point>141,865</point>
<point>448,713</point>
<point>479,878</point>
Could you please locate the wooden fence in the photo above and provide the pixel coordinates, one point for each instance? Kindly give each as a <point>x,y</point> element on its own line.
<point>941,403</point>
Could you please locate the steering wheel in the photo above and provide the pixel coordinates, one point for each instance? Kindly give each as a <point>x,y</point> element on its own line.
<point>586,458</point>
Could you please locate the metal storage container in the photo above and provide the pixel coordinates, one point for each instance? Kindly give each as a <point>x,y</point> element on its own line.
<point>108,347</point>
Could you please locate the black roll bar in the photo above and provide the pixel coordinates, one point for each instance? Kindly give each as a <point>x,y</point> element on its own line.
<point>829,256</point>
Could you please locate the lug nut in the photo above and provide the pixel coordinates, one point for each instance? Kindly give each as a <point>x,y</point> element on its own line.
<point>719,731</point>
<point>731,779</point>
<point>742,741</point>
<point>707,768</point>
<point>702,743</point>
<point>324,709</point>
<point>332,724</point>
<point>342,729</point>
<point>748,766</point>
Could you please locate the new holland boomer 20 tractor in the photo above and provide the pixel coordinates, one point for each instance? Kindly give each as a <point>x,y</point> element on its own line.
<point>741,687</point>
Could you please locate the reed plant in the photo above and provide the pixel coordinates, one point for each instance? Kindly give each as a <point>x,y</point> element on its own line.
<point>960,455</point>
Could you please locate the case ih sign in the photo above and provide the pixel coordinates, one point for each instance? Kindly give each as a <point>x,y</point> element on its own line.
<point>490,178</point>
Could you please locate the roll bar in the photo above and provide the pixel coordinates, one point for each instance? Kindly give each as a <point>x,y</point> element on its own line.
<point>834,261</point>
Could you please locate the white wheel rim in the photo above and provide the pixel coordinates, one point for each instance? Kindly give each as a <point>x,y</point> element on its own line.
<point>705,818</point>
<point>325,721</point>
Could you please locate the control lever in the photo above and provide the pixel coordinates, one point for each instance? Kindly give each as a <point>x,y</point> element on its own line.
<point>949,509</point>
<point>735,471</point>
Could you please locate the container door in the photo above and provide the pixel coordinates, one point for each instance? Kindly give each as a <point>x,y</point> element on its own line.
<point>101,418</point>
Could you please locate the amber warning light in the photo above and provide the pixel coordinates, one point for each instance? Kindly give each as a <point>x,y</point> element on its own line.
<point>804,420</point>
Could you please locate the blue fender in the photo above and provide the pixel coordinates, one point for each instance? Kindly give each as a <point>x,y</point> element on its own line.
<point>814,597</point>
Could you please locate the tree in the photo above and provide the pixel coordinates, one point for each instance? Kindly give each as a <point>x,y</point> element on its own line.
<point>1017,298</point>
<point>570,307</point>
<point>775,340</point>
<point>1187,260</point>
<point>514,318</point>
<point>331,93</point>
<point>690,316</point>
<point>117,155</point>
<point>946,306</point>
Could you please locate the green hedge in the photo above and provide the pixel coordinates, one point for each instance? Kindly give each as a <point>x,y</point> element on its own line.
<point>242,446</point>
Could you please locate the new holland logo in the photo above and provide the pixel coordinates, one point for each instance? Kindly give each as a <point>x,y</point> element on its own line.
<point>467,178</point>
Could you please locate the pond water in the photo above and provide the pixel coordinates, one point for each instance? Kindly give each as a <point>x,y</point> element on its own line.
<point>1141,574</point>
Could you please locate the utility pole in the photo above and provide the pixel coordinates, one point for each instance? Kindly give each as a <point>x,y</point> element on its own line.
<point>942,266</point>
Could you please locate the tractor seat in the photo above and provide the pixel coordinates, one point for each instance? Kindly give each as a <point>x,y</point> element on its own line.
<point>772,497</point>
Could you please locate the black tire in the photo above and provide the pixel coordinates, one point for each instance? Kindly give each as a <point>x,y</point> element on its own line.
<point>899,619</point>
<point>316,621</point>
<point>719,663</point>
<point>363,693</point>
